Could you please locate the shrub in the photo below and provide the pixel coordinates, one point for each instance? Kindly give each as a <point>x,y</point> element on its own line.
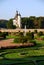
<point>20,33</point>
<point>17,40</point>
<point>35,31</point>
<point>32,41</point>
<point>20,39</point>
<point>0,34</point>
<point>24,39</point>
<point>3,34</point>
<point>40,33</point>
<point>30,35</point>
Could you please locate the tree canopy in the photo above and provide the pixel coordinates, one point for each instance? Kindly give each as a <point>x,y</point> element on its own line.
<point>31,22</point>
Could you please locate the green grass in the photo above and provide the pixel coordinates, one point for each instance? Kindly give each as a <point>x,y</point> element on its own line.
<point>11,36</point>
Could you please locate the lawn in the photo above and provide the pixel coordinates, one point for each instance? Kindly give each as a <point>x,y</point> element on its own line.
<point>11,36</point>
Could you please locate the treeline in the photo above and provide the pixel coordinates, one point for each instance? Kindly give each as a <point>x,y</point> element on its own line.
<point>7,24</point>
<point>31,22</point>
<point>3,23</point>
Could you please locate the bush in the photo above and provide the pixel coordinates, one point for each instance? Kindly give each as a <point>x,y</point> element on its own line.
<point>0,34</point>
<point>30,35</point>
<point>17,40</point>
<point>3,34</point>
<point>40,33</point>
<point>24,40</point>
<point>32,41</point>
<point>20,40</point>
<point>35,31</point>
<point>20,33</point>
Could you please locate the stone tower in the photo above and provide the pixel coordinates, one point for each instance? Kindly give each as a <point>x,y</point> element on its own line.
<point>17,20</point>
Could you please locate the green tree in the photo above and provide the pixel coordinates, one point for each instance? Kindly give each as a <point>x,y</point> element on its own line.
<point>10,24</point>
<point>28,21</point>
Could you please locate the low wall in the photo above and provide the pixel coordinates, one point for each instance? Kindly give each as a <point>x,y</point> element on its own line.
<point>16,30</point>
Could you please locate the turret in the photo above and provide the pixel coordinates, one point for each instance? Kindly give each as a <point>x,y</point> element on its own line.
<point>17,20</point>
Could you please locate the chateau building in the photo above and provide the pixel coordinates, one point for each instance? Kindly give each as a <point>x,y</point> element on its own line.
<point>17,20</point>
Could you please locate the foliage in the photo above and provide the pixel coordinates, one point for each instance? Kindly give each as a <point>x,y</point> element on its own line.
<point>13,56</point>
<point>17,40</point>
<point>0,34</point>
<point>24,39</point>
<point>20,33</point>
<point>32,22</point>
<point>40,33</point>
<point>35,31</point>
<point>14,27</point>
<point>3,34</point>
<point>3,23</point>
<point>20,39</point>
<point>10,24</point>
<point>42,37</point>
<point>30,35</point>
<point>28,22</point>
<point>33,41</point>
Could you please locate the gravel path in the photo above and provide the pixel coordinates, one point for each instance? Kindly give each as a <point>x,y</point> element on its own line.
<point>9,43</point>
<point>5,43</point>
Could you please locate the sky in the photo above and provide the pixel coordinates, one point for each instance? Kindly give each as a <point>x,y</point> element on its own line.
<point>25,7</point>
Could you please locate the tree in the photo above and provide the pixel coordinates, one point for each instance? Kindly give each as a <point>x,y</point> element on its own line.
<point>10,24</point>
<point>3,23</point>
<point>31,23</point>
<point>28,22</point>
<point>39,22</point>
<point>24,22</point>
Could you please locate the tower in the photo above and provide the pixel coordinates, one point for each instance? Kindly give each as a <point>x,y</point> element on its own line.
<point>17,20</point>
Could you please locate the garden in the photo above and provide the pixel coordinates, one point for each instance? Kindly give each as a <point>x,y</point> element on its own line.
<point>31,54</point>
